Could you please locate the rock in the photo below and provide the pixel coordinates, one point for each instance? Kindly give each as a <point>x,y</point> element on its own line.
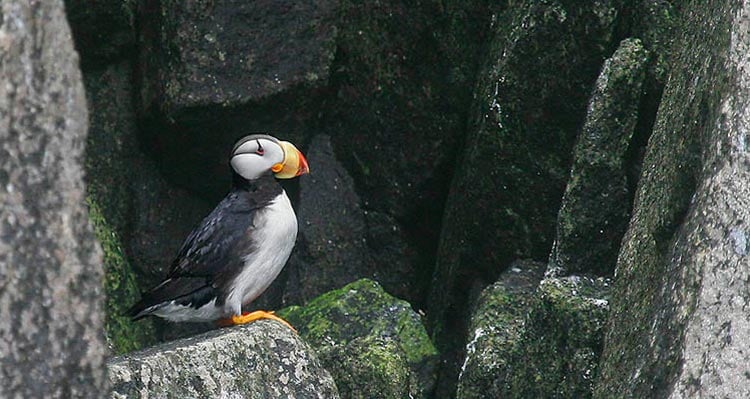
<point>367,338</point>
<point>496,329</point>
<point>677,327</point>
<point>51,298</point>
<point>208,53</point>
<point>331,226</point>
<point>104,31</point>
<point>530,101</point>
<point>109,154</point>
<point>535,339</point>
<point>562,341</point>
<point>371,367</point>
<point>596,205</point>
<point>400,106</point>
<point>398,263</point>
<point>263,359</point>
<point>654,23</point>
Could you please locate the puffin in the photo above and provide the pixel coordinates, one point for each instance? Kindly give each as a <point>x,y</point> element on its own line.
<point>236,251</point>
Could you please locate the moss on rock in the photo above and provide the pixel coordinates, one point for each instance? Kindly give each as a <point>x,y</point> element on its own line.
<point>534,341</point>
<point>122,334</point>
<point>595,207</point>
<point>110,142</point>
<point>496,328</point>
<point>562,341</point>
<point>362,322</point>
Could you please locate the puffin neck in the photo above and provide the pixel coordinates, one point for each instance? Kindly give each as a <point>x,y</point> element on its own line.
<point>242,184</point>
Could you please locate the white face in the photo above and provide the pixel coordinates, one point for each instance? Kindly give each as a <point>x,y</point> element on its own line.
<point>255,155</point>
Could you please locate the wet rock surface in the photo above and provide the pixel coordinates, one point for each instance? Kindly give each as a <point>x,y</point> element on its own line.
<point>261,360</point>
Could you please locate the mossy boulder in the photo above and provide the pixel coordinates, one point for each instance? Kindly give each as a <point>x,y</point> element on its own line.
<point>497,325</point>
<point>562,340</point>
<point>365,337</point>
<point>536,341</point>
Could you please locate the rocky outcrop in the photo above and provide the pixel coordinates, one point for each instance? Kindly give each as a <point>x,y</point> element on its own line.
<point>596,205</point>
<point>497,325</point>
<point>677,327</point>
<point>264,359</point>
<point>535,339</point>
<point>505,193</point>
<point>51,341</point>
<point>373,344</point>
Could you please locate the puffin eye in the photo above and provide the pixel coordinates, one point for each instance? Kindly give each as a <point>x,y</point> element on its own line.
<point>260,150</point>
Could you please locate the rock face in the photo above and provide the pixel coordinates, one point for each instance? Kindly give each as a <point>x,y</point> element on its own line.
<point>529,106</point>
<point>214,52</point>
<point>110,149</point>
<point>596,204</point>
<point>50,264</point>
<point>496,328</point>
<point>678,325</point>
<point>331,229</point>
<point>261,360</point>
<point>373,344</point>
<point>535,339</point>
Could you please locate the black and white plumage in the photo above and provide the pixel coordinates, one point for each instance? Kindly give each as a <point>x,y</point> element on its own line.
<point>240,247</point>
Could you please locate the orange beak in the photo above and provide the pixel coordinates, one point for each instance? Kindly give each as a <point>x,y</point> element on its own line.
<point>294,163</point>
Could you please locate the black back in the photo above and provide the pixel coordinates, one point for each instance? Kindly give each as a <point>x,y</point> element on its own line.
<point>212,254</point>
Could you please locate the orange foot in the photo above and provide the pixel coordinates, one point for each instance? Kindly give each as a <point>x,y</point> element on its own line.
<point>248,317</point>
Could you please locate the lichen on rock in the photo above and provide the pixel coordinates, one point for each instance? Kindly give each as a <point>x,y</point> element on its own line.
<point>263,359</point>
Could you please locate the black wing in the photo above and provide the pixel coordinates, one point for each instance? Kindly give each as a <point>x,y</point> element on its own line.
<point>209,258</point>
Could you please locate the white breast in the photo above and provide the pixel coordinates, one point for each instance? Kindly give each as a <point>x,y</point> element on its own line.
<point>275,230</point>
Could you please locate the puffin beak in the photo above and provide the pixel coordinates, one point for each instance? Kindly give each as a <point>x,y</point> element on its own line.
<point>294,163</point>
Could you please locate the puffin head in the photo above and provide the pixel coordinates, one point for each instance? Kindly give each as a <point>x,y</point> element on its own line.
<point>257,154</point>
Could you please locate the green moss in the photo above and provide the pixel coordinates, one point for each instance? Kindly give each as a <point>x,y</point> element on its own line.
<point>370,367</point>
<point>496,332</point>
<point>562,340</point>
<point>122,334</point>
<point>109,146</point>
<point>362,312</point>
